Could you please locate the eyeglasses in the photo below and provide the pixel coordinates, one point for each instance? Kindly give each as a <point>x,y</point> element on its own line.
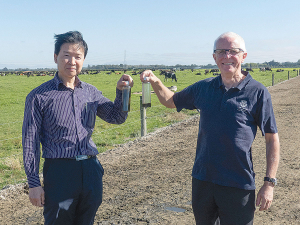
<point>233,51</point>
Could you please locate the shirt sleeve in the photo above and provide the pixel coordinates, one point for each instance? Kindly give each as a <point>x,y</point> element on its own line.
<point>111,112</point>
<point>185,99</point>
<point>265,117</point>
<point>31,140</point>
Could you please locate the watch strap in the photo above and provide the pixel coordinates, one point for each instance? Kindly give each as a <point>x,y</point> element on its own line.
<point>272,180</point>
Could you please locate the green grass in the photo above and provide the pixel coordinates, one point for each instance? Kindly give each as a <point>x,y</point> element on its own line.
<point>14,89</point>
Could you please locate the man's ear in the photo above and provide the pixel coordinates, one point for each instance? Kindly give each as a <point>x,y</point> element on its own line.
<point>55,58</point>
<point>214,56</point>
<point>244,56</point>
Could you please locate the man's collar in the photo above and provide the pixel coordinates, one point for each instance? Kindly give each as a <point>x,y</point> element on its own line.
<point>58,81</point>
<point>218,82</point>
<point>244,82</point>
<point>240,86</point>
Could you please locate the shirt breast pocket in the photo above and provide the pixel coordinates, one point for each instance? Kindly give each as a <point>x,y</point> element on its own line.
<point>89,115</point>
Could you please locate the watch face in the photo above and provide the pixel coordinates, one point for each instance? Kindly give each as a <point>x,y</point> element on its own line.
<point>274,181</point>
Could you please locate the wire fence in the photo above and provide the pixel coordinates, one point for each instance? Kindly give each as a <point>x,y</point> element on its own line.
<point>12,165</point>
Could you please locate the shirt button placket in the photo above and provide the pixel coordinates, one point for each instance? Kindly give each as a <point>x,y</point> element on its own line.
<point>77,113</point>
<point>223,103</point>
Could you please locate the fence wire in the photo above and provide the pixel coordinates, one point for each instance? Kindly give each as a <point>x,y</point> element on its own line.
<point>6,159</point>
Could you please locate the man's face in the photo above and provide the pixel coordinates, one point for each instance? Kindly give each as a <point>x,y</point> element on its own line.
<point>69,60</point>
<point>229,64</point>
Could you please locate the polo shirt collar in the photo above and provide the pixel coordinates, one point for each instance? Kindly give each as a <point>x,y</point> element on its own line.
<point>219,83</point>
<point>244,82</point>
<point>58,81</point>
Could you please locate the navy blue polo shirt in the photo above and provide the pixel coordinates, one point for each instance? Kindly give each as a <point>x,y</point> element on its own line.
<point>227,128</point>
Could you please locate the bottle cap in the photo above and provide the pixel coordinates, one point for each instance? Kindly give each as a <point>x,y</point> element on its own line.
<point>127,83</point>
<point>145,79</point>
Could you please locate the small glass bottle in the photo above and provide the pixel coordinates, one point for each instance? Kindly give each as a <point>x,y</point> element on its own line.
<point>126,95</point>
<point>146,93</point>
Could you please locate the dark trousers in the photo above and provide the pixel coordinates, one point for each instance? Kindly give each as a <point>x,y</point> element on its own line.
<point>215,204</point>
<point>73,191</point>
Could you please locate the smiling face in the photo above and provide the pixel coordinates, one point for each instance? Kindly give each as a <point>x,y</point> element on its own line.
<point>229,64</point>
<point>69,61</point>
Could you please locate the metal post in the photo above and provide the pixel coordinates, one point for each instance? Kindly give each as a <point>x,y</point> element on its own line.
<point>143,118</point>
<point>272,79</point>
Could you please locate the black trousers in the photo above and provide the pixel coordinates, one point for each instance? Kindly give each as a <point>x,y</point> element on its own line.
<point>73,191</point>
<point>215,204</point>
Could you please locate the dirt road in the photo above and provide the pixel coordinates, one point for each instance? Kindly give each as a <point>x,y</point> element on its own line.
<point>148,181</point>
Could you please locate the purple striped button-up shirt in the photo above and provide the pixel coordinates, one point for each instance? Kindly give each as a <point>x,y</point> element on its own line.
<point>63,120</point>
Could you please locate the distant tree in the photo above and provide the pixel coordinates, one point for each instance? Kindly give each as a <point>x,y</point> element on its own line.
<point>274,64</point>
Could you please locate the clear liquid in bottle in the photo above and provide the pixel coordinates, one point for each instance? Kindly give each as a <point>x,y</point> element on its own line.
<point>146,93</point>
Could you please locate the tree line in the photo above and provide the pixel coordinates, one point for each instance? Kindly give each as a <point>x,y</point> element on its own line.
<point>271,64</point>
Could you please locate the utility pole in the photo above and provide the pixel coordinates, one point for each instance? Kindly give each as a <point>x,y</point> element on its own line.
<point>124,65</point>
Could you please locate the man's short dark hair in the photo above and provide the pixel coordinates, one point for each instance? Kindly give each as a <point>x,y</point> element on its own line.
<point>74,37</point>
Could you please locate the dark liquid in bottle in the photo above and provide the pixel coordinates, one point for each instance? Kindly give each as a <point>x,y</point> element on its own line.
<point>126,97</point>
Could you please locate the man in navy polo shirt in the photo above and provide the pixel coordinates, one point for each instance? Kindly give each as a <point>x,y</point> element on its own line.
<point>231,106</point>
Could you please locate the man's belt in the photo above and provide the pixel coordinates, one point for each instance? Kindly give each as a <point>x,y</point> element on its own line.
<point>81,157</point>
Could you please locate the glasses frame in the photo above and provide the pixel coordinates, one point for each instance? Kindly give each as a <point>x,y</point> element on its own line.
<point>227,50</point>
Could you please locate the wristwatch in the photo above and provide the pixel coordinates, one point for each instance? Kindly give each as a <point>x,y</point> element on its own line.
<point>272,180</point>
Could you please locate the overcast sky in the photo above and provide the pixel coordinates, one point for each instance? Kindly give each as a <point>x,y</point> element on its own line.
<point>149,31</point>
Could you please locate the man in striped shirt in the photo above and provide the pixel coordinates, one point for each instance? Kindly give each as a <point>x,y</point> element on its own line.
<point>60,114</point>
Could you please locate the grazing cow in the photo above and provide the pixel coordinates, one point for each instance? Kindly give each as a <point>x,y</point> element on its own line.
<point>173,76</point>
<point>279,70</point>
<point>162,72</point>
<point>168,74</point>
<point>216,74</point>
<point>198,73</point>
<point>27,73</point>
<point>173,88</point>
<point>249,69</point>
<point>262,69</point>
<point>268,68</point>
<point>206,72</point>
<point>214,70</point>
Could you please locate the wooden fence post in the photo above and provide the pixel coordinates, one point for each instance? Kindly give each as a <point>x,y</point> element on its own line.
<point>288,75</point>
<point>272,79</point>
<point>143,118</point>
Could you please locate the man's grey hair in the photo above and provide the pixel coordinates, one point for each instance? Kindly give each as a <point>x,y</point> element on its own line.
<point>237,37</point>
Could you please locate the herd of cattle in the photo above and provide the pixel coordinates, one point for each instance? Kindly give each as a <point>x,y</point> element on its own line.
<point>169,74</point>
<point>29,73</point>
